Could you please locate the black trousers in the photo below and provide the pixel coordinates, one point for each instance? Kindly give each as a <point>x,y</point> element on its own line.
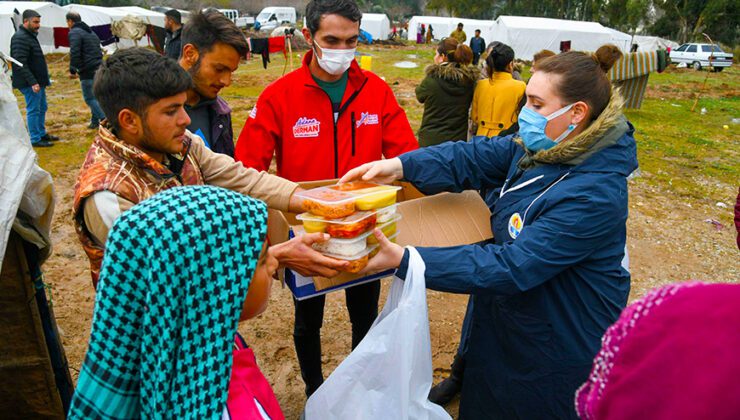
<point>362,305</point>
<point>476,58</point>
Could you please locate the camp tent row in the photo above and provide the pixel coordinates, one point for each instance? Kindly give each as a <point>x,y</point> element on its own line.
<point>54,16</point>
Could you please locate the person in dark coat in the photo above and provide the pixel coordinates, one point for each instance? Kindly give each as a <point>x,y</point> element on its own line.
<point>446,93</point>
<point>173,40</point>
<point>212,49</point>
<point>85,56</point>
<point>554,277</point>
<point>33,77</point>
<point>478,45</point>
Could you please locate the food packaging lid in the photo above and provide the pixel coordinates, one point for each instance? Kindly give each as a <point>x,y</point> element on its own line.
<point>395,218</point>
<point>343,193</point>
<point>351,219</point>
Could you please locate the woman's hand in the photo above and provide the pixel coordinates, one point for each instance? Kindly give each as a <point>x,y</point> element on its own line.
<point>390,255</point>
<point>381,171</point>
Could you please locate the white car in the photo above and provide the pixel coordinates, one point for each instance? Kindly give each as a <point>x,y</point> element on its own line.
<point>700,55</point>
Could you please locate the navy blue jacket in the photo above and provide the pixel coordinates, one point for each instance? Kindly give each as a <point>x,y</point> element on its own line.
<point>85,55</point>
<point>25,47</point>
<point>478,45</point>
<point>545,290</point>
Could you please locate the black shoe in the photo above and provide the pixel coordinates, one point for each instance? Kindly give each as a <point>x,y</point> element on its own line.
<point>42,143</point>
<point>445,391</point>
<point>49,137</point>
<point>93,125</point>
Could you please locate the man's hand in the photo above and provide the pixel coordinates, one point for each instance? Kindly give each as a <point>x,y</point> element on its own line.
<point>390,255</point>
<point>73,76</point>
<point>298,255</point>
<point>36,88</point>
<point>381,171</point>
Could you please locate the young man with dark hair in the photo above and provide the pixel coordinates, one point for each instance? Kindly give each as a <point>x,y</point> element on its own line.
<point>33,77</point>
<point>173,41</point>
<point>459,34</point>
<point>322,120</point>
<point>211,51</point>
<point>85,56</point>
<point>144,148</point>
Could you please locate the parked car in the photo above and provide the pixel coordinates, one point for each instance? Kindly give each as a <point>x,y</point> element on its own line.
<point>272,17</point>
<point>702,55</point>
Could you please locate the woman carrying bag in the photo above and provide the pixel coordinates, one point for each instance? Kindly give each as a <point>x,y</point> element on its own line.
<point>446,93</point>
<point>552,281</point>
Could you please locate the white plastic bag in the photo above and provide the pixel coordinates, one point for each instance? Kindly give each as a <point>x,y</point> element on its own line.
<point>389,374</point>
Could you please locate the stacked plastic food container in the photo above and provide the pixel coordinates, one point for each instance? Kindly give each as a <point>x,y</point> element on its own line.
<point>349,213</point>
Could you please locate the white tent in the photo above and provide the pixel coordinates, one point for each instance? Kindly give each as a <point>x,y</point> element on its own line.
<point>443,27</point>
<point>377,24</point>
<point>149,16</point>
<point>528,35</point>
<point>52,16</point>
<point>652,43</point>
<point>620,39</point>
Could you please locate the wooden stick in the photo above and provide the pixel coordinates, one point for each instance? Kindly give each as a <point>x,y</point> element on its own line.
<point>704,85</point>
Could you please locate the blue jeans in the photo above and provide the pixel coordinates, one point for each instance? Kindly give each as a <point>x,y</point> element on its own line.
<point>92,103</point>
<point>35,113</point>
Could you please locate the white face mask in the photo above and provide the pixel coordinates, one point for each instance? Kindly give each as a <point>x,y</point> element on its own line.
<point>334,62</point>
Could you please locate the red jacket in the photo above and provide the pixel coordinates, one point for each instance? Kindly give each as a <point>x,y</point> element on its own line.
<point>294,119</point>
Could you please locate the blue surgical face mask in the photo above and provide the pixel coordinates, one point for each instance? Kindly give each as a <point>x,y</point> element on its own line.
<point>532,128</point>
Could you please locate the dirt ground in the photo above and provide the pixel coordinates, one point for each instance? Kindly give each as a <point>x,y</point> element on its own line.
<point>668,241</point>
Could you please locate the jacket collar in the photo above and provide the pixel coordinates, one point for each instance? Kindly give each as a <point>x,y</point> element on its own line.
<point>125,151</point>
<point>355,78</point>
<point>32,33</point>
<point>453,72</point>
<point>83,26</point>
<point>502,75</point>
<point>603,132</point>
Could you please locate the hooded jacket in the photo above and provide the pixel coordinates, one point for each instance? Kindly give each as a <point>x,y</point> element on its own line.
<point>85,55</point>
<point>554,277</point>
<point>446,93</point>
<point>25,47</point>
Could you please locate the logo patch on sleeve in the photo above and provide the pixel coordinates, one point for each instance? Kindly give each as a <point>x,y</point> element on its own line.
<point>306,127</point>
<point>253,112</point>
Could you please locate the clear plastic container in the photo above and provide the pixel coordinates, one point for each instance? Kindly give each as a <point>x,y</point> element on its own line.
<point>342,200</point>
<point>356,262</point>
<point>389,228</point>
<point>327,202</point>
<point>376,248</point>
<point>346,227</point>
<point>336,247</point>
<point>386,213</point>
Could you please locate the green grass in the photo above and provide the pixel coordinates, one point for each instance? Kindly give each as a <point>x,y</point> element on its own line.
<point>682,152</point>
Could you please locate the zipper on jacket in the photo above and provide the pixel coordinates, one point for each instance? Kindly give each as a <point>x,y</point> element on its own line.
<point>353,134</point>
<point>339,114</point>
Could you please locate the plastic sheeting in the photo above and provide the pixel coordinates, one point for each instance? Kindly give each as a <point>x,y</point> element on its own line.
<point>149,16</point>
<point>97,15</point>
<point>25,188</point>
<point>376,24</point>
<point>528,35</point>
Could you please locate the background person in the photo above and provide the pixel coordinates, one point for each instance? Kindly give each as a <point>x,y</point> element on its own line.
<point>496,98</point>
<point>545,291</point>
<point>173,319</point>
<point>538,57</point>
<point>478,46</point>
<point>320,121</point>
<point>459,34</point>
<point>85,56</point>
<point>173,40</point>
<point>446,93</point>
<point>33,77</point>
<point>212,49</point>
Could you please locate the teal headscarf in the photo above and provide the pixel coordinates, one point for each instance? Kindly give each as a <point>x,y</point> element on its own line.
<point>172,285</point>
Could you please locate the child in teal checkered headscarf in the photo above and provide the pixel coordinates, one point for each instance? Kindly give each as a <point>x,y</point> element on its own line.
<point>172,286</point>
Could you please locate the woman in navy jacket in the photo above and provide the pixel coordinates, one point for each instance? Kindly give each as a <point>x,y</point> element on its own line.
<point>553,279</point>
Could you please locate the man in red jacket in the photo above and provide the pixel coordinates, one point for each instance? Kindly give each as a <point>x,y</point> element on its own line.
<point>322,120</point>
